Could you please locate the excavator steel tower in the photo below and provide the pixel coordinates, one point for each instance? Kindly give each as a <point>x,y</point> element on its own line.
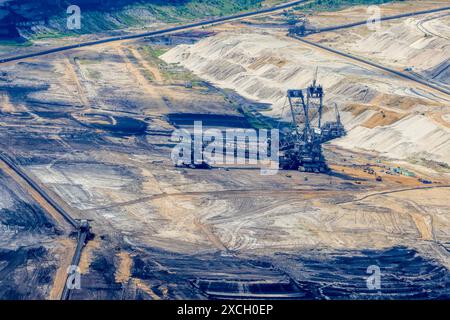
<point>301,147</point>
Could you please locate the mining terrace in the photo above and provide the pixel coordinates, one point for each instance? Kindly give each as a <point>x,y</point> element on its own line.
<point>92,126</point>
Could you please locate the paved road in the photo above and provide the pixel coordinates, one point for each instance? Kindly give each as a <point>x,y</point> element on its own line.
<point>385,18</point>
<point>157,32</point>
<point>376,65</point>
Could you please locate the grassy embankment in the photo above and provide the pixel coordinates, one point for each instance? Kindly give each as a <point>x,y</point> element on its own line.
<point>331,5</point>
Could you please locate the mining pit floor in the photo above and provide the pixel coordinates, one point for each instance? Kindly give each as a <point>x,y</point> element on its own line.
<point>94,126</point>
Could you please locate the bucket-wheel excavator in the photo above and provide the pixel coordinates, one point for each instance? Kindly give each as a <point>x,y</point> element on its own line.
<point>301,145</point>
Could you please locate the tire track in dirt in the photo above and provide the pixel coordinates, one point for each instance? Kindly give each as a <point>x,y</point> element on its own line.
<point>154,70</point>
<point>159,106</point>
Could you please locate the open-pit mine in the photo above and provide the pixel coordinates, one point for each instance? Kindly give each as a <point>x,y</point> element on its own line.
<point>93,205</point>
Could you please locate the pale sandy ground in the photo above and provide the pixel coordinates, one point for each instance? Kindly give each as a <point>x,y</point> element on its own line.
<point>396,118</point>
<point>134,195</point>
<point>382,112</point>
<point>361,13</point>
<point>420,44</point>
